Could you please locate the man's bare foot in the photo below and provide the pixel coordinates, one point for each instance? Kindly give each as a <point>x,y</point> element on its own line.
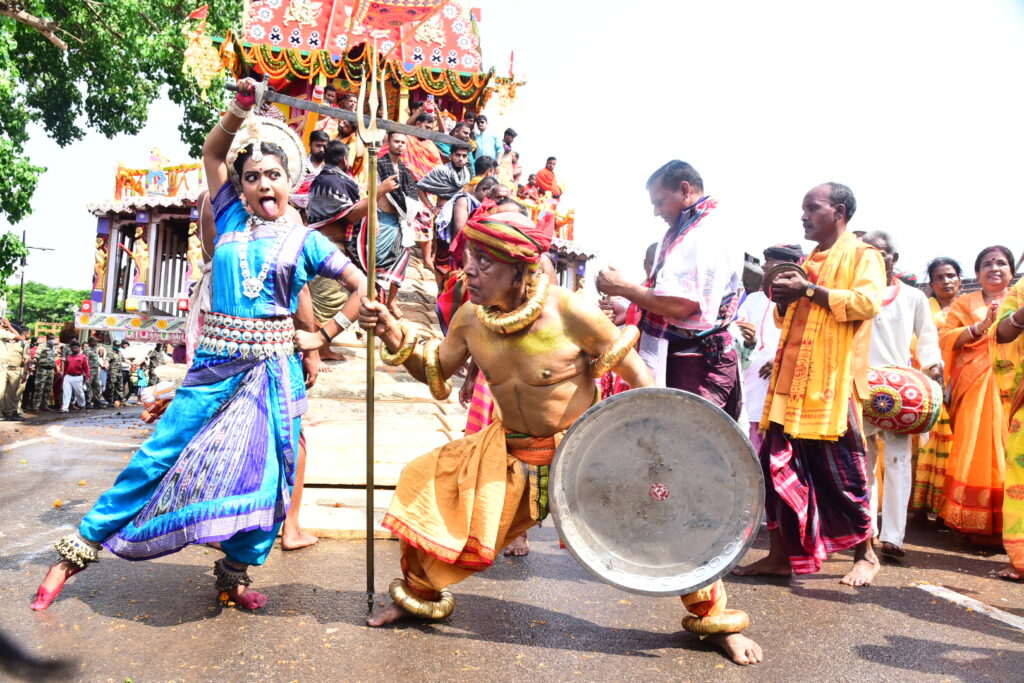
<point>323,367</point>
<point>52,583</point>
<point>300,539</point>
<point>737,647</point>
<point>387,615</point>
<point>865,566</point>
<point>891,550</point>
<point>1010,573</point>
<point>519,547</point>
<point>327,354</point>
<point>247,598</point>
<point>766,566</point>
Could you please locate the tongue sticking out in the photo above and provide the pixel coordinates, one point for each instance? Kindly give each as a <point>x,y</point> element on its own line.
<point>269,206</point>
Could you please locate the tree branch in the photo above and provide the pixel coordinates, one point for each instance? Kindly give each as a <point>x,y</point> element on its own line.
<point>44,26</point>
<point>89,6</point>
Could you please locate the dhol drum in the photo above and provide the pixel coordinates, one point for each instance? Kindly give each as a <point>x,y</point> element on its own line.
<point>902,400</point>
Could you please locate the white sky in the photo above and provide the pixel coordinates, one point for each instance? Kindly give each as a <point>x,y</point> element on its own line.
<point>915,105</point>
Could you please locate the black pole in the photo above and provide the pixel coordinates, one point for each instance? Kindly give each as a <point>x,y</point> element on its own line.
<point>21,292</point>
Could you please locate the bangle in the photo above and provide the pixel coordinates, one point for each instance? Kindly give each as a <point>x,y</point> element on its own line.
<point>237,110</point>
<point>404,351</point>
<point>439,387</point>
<point>619,349</point>
<point>224,128</point>
<point>1013,321</point>
<point>342,321</point>
<point>327,337</point>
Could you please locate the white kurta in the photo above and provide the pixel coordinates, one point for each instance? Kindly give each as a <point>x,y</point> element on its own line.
<point>906,316</point>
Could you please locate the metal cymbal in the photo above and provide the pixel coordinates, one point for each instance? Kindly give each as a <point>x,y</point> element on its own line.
<point>656,491</point>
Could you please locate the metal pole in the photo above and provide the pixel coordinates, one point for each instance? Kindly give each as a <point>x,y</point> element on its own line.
<point>371,292</point>
<point>21,292</point>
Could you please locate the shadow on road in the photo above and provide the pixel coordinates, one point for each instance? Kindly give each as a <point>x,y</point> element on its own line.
<point>961,661</point>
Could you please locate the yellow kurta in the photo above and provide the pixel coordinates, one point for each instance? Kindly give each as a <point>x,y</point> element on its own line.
<point>823,352</point>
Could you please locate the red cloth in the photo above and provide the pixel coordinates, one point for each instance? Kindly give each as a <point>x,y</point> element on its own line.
<point>510,236</point>
<point>76,365</point>
<point>547,182</point>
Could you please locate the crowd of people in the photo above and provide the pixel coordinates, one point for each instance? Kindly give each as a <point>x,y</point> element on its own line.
<point>41,374</point>
<point>790,363</point>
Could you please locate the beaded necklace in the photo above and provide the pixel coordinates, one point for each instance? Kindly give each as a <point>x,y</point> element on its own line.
<point>252,286</point>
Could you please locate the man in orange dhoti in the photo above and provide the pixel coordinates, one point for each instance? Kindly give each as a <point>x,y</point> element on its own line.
<point>546,180</point>
<point>813,457</point>
<point>539,347</point>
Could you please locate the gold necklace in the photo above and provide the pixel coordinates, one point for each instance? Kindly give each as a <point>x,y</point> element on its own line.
<point>522,316</point>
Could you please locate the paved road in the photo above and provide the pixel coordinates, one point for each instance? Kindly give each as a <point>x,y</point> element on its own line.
<point>538,616</point>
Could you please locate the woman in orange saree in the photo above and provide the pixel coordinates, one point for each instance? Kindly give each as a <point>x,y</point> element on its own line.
<point>973,492</point>
<point>944,278</point>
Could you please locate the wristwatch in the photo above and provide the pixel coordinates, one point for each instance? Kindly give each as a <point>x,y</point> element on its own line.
<point>811,289</point>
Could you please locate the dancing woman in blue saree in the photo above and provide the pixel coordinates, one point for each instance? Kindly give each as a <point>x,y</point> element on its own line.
<point>220,465</point>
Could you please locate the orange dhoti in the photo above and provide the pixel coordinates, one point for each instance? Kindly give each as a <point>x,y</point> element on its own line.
<point>457,507</point>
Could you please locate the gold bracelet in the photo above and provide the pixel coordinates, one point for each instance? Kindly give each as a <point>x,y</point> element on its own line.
<point>619,349</point>
<point>405,349</point>
<point>426,609</point>
<point>439,387</point>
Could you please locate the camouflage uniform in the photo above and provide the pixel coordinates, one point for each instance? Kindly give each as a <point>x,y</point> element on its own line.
<point>94,392</point>
<point>115,381</point>
<point>155,359</point>
<point>46,360</point>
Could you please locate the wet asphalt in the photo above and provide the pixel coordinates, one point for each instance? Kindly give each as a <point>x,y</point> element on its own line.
<point>541,616</point>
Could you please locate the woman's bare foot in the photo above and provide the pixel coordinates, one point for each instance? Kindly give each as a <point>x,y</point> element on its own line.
<point>771,565</point>
<point>519,547</point>
<point>737,647</point>
<point>865,566</point>
<point>53,582</point>
<point>299,539</point>
<point>247,598</point>
<point>1010,573</point>
<point>387,615</point>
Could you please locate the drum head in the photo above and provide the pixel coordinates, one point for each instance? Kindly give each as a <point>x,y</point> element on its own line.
<point>656,491</point>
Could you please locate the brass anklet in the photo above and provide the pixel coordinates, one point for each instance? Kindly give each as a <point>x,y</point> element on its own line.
<point>426,609</point>
<point>729,621</point>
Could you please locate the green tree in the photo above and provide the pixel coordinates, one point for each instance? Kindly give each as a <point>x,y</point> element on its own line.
<point>46,304</point>
<point>95,64</point>
<point>12,250</point>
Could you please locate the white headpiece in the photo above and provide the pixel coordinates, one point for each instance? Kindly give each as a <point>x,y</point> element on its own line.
<point>258,130</point>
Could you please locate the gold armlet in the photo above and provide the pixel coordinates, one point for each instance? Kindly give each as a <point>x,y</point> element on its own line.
<point>619,349</point>
<point>426,609</point>
<point>405,349</point>
<point>439,387</point>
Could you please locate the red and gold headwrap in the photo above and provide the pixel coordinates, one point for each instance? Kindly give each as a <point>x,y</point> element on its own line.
<point>509,236</point>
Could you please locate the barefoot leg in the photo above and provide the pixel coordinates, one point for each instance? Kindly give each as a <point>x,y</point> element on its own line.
<point>737,647</point>
<point>247,598</point>
<point>1010,573</point>
<point>519,547</point>
<point>776,563</point>
<point>865,566</point>
<point>52,584</point>
<point>387,615</point>
<point>292,536</point>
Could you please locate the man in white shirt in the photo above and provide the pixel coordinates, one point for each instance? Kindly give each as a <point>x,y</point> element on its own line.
<point>692,294</point>
<point>759,338</point>
<point>905,315</point>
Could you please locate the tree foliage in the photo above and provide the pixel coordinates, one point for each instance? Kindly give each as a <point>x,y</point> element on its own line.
<point>44,303</point>
<point>119,56</point>
<point>12,250</point>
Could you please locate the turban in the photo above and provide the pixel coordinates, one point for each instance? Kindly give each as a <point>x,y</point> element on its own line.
<point>785,252</point>
<point>509,236</point>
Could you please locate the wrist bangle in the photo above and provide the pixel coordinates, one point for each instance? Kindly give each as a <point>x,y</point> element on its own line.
<point>224,128</point>
<point>235,109</point>
<point>327,337</point>
<point>342,321</point>
<point>1013,321</point>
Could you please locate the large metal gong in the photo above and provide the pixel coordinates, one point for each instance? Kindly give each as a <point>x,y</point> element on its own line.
<point>656,491</point>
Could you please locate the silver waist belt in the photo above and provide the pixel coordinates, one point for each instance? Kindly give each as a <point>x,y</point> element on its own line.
<point>248,337</point>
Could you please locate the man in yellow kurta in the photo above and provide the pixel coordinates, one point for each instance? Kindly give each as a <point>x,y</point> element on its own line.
<point>813,452</point>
